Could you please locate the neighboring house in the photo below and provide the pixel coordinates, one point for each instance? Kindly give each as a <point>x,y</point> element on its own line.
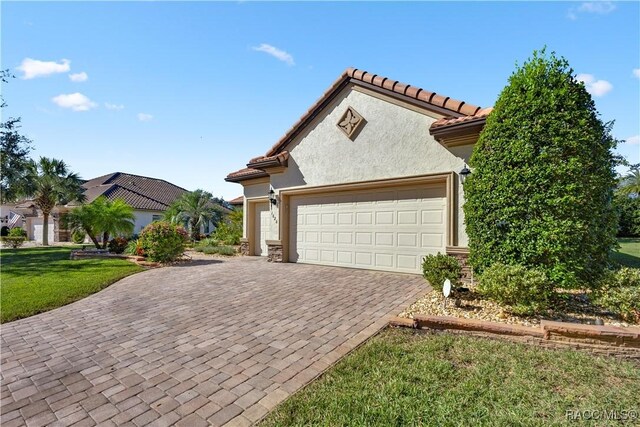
<point>149,197</point>
<point>368,178</point>
<point>237,203</point>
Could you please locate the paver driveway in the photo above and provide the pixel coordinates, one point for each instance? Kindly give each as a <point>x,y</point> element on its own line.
<point>213,342</point>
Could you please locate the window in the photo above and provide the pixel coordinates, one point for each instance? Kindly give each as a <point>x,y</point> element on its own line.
<point>155,218</point>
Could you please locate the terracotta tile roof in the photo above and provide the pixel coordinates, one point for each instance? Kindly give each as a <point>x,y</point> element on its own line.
<point>141,192</point>
<point>237,201</point>
<point>267,161</point>
<point>453,108</point>
<point>246,173</point>
<point>452,121</point>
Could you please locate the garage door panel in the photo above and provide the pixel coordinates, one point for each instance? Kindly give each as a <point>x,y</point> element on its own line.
<point>385,229</point>
<point>407,217</point>
<point>385,218</point>
<point>384,239</point>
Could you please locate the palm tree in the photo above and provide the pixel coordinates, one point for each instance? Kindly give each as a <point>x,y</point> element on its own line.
<point>50,183</point>
<point>630,183</point>
<point>197,208</point>
<point>83,219</point>
<point>113,217</point>
<point>102,217</point>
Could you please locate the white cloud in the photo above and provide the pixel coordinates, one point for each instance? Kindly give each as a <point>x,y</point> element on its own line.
<point>75,101</point>
<point>33,68</point>
<point>276,53</point>
<point>633,140</point>
<point>79,77</point>
<point>144,117</point>
<point>116,107</point>
<point>595,87</point>
<point>597,7</point>
<point>636,72</point>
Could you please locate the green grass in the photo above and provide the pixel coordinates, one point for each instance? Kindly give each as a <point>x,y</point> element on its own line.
<point>34,280</point>
<point>629,252</point>
<point>404,378</point>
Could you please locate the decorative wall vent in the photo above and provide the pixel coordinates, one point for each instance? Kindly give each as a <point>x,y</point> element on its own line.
<point>351,123</point>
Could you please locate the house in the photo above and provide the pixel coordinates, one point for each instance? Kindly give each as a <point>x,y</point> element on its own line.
<point>237,203</point>
<point>149,197</point>
<point>369,177</point>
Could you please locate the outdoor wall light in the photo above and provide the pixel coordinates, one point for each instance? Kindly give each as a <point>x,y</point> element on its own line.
<point>465,172</point>
<point>272,197</point>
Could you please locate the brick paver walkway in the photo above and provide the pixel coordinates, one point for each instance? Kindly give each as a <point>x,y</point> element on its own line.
<point>208,344</point>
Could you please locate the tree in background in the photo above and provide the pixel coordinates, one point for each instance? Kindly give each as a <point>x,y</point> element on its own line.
<point>50,183</point>
<point>14,151</point>
<point>541,190</point>
<point>629,184</point>
<point>627,202</point>
<point>114,217</point>
<point>229,230</point>
<point>197,208</point>
<point>82,219</point>
<point>102,217</point>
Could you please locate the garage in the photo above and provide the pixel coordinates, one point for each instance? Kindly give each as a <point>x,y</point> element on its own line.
<point>37,228</point>
<point>388,229</point>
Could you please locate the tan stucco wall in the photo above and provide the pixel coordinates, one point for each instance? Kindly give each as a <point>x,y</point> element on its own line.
<point>395,142</point>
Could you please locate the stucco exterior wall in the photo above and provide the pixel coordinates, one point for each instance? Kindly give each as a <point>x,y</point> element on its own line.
<point>143,218</point>
<point>395,142</point>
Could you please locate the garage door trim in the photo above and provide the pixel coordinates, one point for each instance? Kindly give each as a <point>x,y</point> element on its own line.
<point>446,178</point>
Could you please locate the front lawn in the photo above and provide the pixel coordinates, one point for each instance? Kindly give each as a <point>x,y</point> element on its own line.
<point>404,378</point>
<point>629,252</point>
<point>33,280</point>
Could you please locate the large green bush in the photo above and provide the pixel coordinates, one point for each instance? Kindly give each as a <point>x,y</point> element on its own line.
<point>229,230</point>
<point>628,208</point>
<point>525,290</point>
<point>437,268</point>
<point>162,241</point>
<point>620,293</point>
<point>542,183</point>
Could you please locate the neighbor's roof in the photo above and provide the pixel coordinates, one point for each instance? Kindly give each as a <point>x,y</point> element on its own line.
<point>141,192</point>
<point>237,201</point>
<point>453,110</point>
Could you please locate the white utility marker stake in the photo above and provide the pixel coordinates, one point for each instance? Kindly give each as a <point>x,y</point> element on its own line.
<point>446,291</point>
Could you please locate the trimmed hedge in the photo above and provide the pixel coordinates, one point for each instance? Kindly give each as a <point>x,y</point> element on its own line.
<point>543,178</point>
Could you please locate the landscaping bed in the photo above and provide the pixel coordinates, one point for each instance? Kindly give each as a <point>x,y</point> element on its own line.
<point>571,307</point>
<point>403,377</point>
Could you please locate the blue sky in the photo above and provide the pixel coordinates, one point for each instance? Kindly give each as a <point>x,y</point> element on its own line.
<point>189,92</point>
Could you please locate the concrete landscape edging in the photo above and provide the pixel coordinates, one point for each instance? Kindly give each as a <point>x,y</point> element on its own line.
<point>597,339</point>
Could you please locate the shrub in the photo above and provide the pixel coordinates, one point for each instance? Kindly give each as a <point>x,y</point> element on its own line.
<point>18,232</point>
<point>117,245</point>
<point>78,236</point>
<point>229,231</point>
<point>437,268</point>
<point>13,241</point>
<point>543,177</point>
<point>629,213</point>
<point>526,290</point>
<point>134,247</point>
<point>620,293</point>
<point>162,241</point>
<point>220,250</point>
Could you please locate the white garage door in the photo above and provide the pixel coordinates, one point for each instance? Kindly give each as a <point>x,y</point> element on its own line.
<point>38,229</point>
<point>386,229</point>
